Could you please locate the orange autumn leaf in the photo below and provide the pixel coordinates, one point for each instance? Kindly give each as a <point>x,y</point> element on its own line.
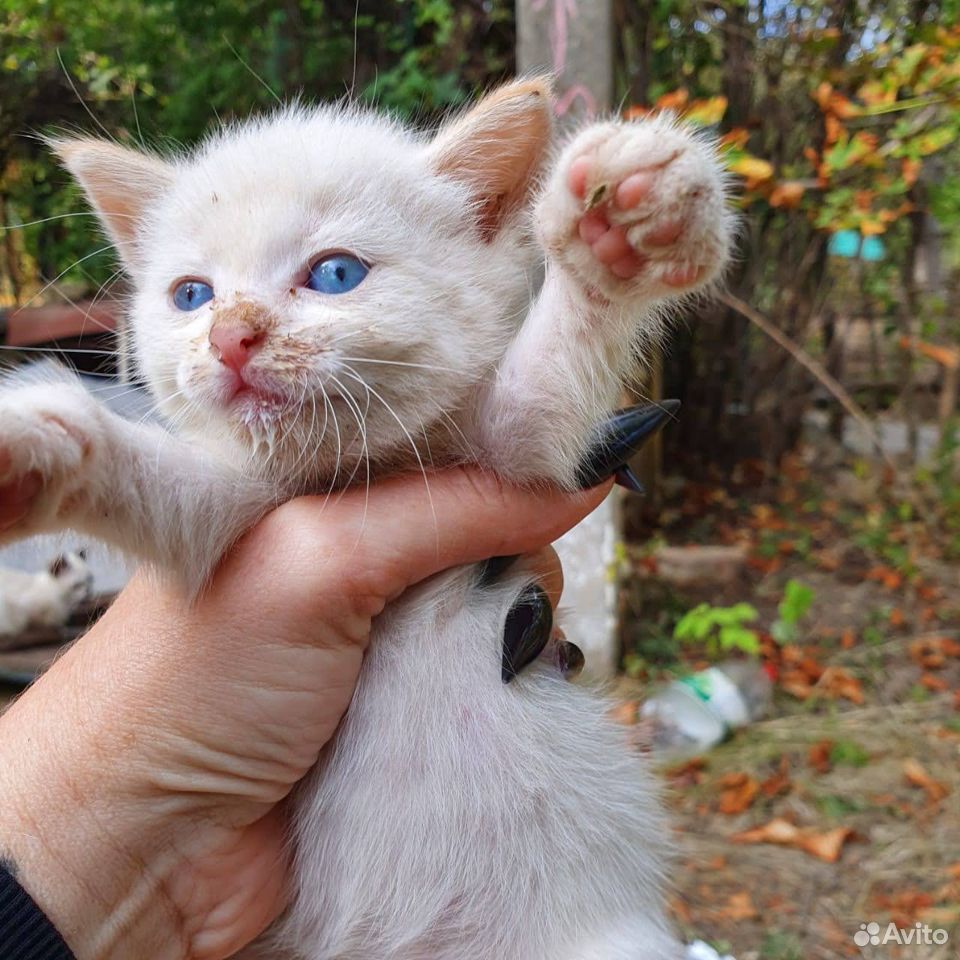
<point>834,128</point>
<point>934,684</point>
<point>779,782</point>
<point>917,776</point>
<point>739,792</point>
<point>739,907</point>
<point>675,100</point>
<point>689,772</point>
<point>737,137</point>
<point>825,846</point>
<point>637,112</point>
<point>848,639</point>
<point>818,756</point>
<point>796,683</point>
<point>822,95</point>
<point>706,112</point>
<point>787,194</point>
<point>837,682</point>
<point>897,619</point>
<point>910,170</point>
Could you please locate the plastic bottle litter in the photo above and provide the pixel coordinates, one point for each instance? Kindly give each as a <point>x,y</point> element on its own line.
<point>698,950</point>
<point>695,713</point>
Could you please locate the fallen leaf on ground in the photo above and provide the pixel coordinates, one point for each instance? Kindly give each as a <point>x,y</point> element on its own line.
<point>689,773</point>
<point>818,756</point>
<point>739,907</point>
<point>739,792</point>
<point>837,682</point>
<point>918,777</point>
<point>796,683</point>
<point>825,846</point>
<point>848,639</point>
<point>779,782</point>
<point>934,684</point>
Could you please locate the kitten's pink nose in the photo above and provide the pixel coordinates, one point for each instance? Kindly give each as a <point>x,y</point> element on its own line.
<point>233,343</point>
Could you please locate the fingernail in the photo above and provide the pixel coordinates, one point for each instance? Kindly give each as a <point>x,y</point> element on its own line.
<point>618,439</point>
<point>569,658</point>
<point>526,631</point>
<point>490,570</point>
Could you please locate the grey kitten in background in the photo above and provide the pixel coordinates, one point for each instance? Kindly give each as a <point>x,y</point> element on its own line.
<point>322,297</point>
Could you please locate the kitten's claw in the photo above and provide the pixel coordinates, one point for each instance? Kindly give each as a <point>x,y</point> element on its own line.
<point>526,632</point>
<point>637,209</point>
<point>618,439</point>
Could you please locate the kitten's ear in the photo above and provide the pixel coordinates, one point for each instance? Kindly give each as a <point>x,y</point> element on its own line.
<point>497,148</point>
<point>119,182</point>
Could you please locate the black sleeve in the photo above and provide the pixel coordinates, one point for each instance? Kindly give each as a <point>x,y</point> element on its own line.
<point>25,931</point>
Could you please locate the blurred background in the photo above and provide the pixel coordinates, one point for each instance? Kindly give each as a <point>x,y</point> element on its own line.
<point>803,516</point>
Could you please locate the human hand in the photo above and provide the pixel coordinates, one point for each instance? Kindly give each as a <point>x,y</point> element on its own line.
<point>143,776</point>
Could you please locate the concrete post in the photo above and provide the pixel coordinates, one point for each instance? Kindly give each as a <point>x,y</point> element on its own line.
<point>572,41</point>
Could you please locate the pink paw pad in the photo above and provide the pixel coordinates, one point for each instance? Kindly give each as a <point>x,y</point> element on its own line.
<point>609,242</point>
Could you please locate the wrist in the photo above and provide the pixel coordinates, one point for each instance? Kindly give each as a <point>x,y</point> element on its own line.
<point>76,844</point>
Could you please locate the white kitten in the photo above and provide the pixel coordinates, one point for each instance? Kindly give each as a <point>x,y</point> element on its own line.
<point>320,296</point>
<point>44,599</point>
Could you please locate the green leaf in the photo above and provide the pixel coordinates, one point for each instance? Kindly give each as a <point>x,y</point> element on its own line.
<point>796,602</point>
<point>740,638</point>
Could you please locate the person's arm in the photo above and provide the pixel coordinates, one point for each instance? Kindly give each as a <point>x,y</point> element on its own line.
<point>142,776</point>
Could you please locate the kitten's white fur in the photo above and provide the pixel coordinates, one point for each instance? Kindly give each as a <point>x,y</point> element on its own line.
<point>454,817</point>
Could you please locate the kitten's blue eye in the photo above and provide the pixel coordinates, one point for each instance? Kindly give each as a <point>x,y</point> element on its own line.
<point>192,294</point>
<point>337,273</point>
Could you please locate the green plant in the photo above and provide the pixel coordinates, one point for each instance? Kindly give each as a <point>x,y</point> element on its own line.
<point>720,628</point>
<point>797,598</point>
<point>780,946</point>
<point>849,753</point>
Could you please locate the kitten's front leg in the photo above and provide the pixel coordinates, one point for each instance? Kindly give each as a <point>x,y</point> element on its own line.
<point>632,218</point>
<point>66,462</point>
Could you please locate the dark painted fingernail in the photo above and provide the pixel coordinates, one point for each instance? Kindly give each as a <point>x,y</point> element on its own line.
<point>491,570</point>
<point>618,439</point>
<point>526,631</point>
<point>569,659</point>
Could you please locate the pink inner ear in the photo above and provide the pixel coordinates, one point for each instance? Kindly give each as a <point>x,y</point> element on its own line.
<point>497,149</point>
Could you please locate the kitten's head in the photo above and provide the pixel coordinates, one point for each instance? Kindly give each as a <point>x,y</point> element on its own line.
<point>318,269</point>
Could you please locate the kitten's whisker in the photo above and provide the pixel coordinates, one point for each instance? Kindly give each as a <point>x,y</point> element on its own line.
<point>83,102</point>
<point>58,216</point>
<point>365,454</point>
<point>350,372</point>
<point>450,422</point>
<point>63,273</point>
<point>400,363</point>
<point>246,66</point>
<point>60,351</point>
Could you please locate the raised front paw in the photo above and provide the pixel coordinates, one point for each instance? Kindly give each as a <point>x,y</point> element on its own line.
<point>638,210</point>
<point>48,437</point>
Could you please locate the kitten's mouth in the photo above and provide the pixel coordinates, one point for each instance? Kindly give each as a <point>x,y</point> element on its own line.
<point>245,389</point>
